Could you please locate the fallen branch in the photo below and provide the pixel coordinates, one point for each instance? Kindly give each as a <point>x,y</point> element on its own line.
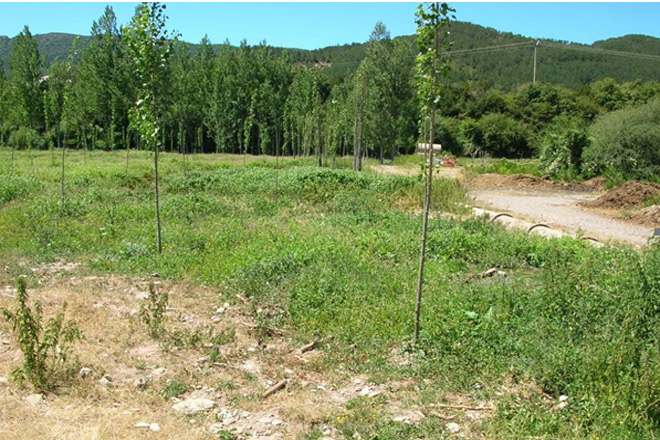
<point>271,331</point>
<point>275,388</point>
<point>462,407</point>
<point>442,417</point>
<point>312,345</point>
<point>225,365</point>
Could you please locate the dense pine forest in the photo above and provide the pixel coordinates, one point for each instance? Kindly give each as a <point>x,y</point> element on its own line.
<point>60,89</point>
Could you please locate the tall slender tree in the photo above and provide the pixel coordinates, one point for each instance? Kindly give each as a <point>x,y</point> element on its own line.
<point>151,45</point>
<point>432,63</point>
<point>4,105</point>
<point>26,76</point>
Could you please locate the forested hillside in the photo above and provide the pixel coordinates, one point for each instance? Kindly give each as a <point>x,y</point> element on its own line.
<point>562,63</point>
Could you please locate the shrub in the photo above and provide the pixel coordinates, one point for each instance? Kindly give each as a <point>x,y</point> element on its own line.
<point>627,141</point>
<point>44,348</point>
<point>500,136</point>
<point>450,136</point>
<point>152,314</point>
<point>26,138</point>
<point>562,147</point>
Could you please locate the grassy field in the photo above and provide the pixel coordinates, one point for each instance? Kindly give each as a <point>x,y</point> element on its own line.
<point>564,346</point>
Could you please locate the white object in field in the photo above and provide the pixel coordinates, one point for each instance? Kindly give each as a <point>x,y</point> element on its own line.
<point>423,148</point>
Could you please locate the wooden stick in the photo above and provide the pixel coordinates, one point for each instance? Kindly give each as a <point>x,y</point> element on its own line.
<point>270,330</point>
<point>463,407</point>
<point>275,388</point>
<point>312,345</point>
<point>442,417</point>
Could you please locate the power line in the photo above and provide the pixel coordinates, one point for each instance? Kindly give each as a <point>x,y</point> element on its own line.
<point>534,43</point>
<point>492,48</point>
<point>603,51</point>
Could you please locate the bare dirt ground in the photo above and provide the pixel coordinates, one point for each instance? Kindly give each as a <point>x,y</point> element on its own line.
<point>446,172</point>
<point>560,210</point>
<point>565,207</point>
<point>120,395</point>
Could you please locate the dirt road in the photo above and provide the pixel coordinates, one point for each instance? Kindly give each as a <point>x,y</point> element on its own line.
<point>540,201</point>
<point>560,210</point>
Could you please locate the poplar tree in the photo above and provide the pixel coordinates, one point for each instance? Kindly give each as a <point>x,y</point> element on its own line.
<point>25,67</point>
<point>150,45</point>
<point>4,104</point>
<point>431,64</point>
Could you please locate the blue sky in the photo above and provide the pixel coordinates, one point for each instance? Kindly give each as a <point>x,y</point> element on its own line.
<point>313,25</point>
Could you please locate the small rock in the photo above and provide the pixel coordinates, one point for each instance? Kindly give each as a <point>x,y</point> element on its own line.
<point>3,381</point>
<point>193,406</point>
<point>452,427</point>
<point>216,428</point>
<point>152,426</point>
<point>105,380</point>
<point>159,371</point>
<point>34,399</point>
<point>265,420</point>
<point>140,383</point>
<point>409,417</point>
<point>276,422</point>
<point>562,405</point>
<point>563,398</point>
<point>84,372</point>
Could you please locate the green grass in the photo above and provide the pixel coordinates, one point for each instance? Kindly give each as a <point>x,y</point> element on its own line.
<point>474,167</point>
<point>337,253</point>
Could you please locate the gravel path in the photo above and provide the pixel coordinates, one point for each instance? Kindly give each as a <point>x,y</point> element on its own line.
<point>560,210</point>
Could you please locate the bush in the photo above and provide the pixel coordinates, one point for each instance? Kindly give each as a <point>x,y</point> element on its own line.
<point>44,348</point>
<point>562,147</point>
<point>501,136</point>
<point>627,141</point>
<point>26,138</point>
<point>448,133</point>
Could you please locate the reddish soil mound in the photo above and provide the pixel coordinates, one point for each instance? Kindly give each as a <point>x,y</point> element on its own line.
<point>628,195</point>
<point>648,216</point>
<point>597,183</point>
<point>525,181</point>
<point>512,181</point>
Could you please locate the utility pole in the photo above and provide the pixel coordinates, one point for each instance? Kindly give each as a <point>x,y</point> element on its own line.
<point>535,46</point>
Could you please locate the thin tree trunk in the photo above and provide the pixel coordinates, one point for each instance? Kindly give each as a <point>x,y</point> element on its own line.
<point>128,149</point>
<point>156,198</point>
<point>63,157</point>
<point>158,235</point>
<point>277,164</point>
<point>427,200</point>
<point>84,135</point>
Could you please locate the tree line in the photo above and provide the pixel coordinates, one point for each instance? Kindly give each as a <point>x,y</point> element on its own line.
<point>258,100</point>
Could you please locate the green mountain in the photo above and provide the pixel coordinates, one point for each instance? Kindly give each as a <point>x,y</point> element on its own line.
<point>51,46</point>
<point>569,64</point>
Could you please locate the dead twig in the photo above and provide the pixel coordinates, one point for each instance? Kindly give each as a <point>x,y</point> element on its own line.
<point>271,331</point>
<point>275,388</point>
<point>462,407</point>
<point>312,345</point>
<point>442,417</point>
